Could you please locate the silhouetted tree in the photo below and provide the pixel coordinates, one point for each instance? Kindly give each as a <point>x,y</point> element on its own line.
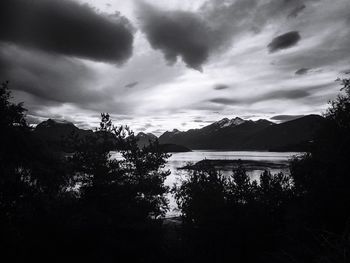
<point>322,176</point>
<point>33,181</point>
<point>322,183</point>
<point>129,187</point>
<point>228,215</point>
<point>201,195</point>
<point>241,190</point>
<point>53,206</point>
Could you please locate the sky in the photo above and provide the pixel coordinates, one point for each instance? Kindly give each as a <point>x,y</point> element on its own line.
<point>159,65</point>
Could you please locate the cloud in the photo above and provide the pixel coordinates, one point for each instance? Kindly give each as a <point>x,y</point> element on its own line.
<point>158,132</point>
<point>235,33</point>
<point>226,101</point>
<point>131,84</point>
<point>295,12</point>
<point>284,118</point>
<point>291,94</point>
<point>302,71</point>
<point>177,33</point>
<point>284,41</point>
<point>221,87</point>
<point>286,94</point>
<point>49,77</point>
<point>33,119</point>
<point>50,83</point>
<point>147,125</point>
<point>194,36</point>
<point>66,27</point>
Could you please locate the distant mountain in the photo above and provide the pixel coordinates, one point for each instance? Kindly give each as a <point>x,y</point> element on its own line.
<point>55,132</point>
<point>57,128</point>
<point>292,135</point>
<point>52,132</point>
<point>226,122</point>
<point>223,134</point>
<point>145,138</point>
<point>239,134</point>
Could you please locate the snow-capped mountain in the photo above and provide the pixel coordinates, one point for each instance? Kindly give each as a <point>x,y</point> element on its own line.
<point>226,122</point>
<point>239,134</point>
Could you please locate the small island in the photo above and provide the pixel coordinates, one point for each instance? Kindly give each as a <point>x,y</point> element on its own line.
<point>249,165</point>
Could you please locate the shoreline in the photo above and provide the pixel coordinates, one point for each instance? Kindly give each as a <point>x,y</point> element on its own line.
<point>247,164</point>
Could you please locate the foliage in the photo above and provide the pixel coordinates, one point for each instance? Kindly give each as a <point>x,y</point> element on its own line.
<point>53,204</point>
<point>236,212</point>
<point>130,188</point>
<point>201,195</point>
<point>322,176</point>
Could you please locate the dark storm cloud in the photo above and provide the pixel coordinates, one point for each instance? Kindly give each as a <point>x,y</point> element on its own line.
<point>132,84</point>
<point>284,41</point>
<point>221,87</point>
<point>66,27</point>
<point>302,71</point>
<point>177,33</point>
<point>194,36</point>
<point>51,78</point>
<point>286,117</point>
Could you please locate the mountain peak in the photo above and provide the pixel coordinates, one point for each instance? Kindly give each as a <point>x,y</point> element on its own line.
<point>49,123</point>
<point>226,122</point>
<point>238,134</point>
<point>148,135</point>
<point>144,139</point>
<point>237,121</point>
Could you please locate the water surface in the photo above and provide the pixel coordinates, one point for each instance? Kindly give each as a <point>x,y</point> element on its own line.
<point>178,160</point>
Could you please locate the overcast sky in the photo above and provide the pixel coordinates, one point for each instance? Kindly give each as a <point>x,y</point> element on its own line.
<point>163,64</point>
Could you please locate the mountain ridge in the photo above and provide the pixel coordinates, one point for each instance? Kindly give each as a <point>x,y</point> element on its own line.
<point>225,134</point>
<point>262,134</point>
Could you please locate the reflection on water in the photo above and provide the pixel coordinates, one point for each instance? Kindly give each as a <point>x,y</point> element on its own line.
<point>178,160</point>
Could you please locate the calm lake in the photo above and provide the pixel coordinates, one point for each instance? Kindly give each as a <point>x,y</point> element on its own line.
<point>178,160</point>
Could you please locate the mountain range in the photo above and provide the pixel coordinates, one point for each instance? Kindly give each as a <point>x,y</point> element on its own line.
<point>239,134</point>
<point>225,134</point>
<point>55,134</point>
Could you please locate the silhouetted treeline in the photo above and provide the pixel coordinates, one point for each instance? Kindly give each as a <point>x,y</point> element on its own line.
<point>88,206</point>
<point>302,217</point>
